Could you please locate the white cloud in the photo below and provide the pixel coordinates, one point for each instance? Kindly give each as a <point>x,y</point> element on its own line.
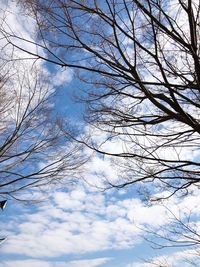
<point>61,77</point>
<point>42,263</point>
<point>88,263</point>
<point>18,28</point>
<point>83,221</point>
<point>80,222</point>
<point>15,23</point>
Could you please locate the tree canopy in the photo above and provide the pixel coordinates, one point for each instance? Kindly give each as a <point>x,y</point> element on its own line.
<point>33,150</point>
<point>140,60</point>
<point>139,63</point>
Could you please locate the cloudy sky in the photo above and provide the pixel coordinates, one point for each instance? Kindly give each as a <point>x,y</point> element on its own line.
<point>84,227</point>
<point>79,225</point>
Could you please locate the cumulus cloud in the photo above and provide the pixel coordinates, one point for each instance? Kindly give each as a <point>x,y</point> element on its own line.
<point>77,222</point>
<point>83,221</point>
<point>42,263</point>
<point>88,263</point>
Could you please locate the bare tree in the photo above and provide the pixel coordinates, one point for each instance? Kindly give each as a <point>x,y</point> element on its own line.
<point>33,151</point>
<point>180,231</point>
<point>162,261</point>
<point>141,65</point>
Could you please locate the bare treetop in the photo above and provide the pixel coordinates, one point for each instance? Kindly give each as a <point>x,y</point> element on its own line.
<point>140,60</point>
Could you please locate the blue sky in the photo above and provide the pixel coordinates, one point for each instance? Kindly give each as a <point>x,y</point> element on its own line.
<point>79,225</point>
